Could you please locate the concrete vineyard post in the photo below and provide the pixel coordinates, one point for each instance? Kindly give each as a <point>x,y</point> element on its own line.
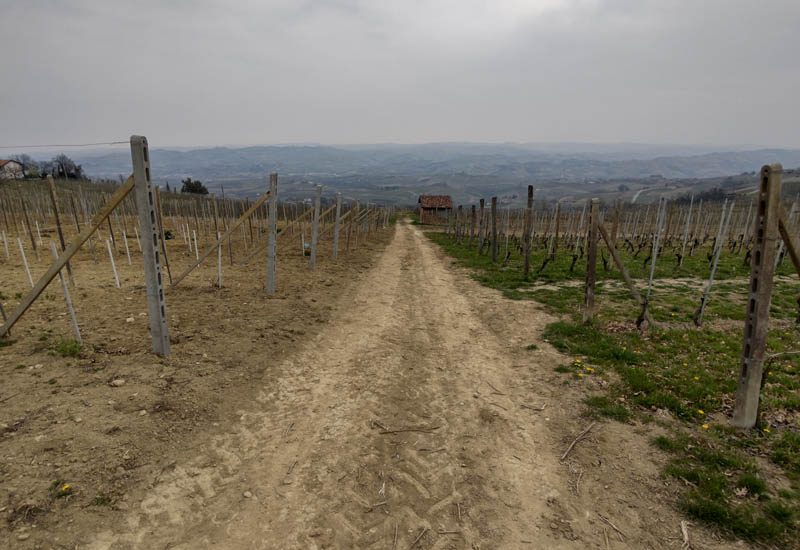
<point>151,235</point>
<point>762,270</point>
<point>336,225</point>
<point>272,237</point>
<point>591,262</point>
<point>312,260</point>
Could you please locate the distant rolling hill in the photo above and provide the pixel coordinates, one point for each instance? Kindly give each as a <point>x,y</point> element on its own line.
<point>398,173</point>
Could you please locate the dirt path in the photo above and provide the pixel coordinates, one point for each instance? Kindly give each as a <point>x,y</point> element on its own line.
<point>310,463</point>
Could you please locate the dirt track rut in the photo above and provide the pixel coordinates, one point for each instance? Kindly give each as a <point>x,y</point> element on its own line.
<point>309,465</point>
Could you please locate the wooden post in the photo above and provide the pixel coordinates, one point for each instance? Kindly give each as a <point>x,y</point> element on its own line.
<point>686,230</point>
<point>472,226</point>
<point>526,237</point>
<point>272,238</point>
<point>336,224</point>
<point>459,234</point>
<point>151,235</point>
<point>591,262</point>
<point>160,220</point>
<point>53,270</point>
<point>789,241</point>
<point>481,225</point>
<point>494,229</point>
<point>624,271</point>
<point>219,261</point>
<point>71,310</point>
<point>228,232</point>
<point>30,229</point>
<point>312,259</point>
<point>762,269</point>
<point>5,245</point>
<point>52,186</point>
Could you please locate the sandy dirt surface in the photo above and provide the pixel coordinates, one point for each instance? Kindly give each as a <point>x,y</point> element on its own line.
<point>413,416</point>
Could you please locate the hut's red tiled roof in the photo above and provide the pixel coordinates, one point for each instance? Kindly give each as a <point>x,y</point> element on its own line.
<point>435,201</point>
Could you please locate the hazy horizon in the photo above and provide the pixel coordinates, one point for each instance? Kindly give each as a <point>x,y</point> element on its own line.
<point>206,73</point>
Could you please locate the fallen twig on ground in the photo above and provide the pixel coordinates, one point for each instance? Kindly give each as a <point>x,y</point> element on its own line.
<point>403,430</point>
<point>377,505</point>
<point>614,527</point>
<point>537,409</point>
<point>498,392</point>
<point>685,532</point>
<point>574,441</point>
<point>416,540</point>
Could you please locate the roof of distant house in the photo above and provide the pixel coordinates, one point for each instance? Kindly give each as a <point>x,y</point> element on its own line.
<point>435,201</point>
<point>4,162</point>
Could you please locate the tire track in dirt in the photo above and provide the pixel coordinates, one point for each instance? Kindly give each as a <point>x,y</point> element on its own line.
<point>307,466</point>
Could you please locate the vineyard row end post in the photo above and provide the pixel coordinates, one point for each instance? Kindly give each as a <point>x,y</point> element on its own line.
<point>762,270</point>
<point>591,262</point>
<point>148,221</point>
<point>272,238</point>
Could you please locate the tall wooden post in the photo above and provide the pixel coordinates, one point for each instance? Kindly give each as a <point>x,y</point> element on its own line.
<point>526,237</point>
<point>762,269</point>
<point>459,222</point>
<point>272,238</point>
<point>148,222</point>
<point>52,187</point>
<point>494,229</point>
<point>591,262</point>
<point>472,226</point>
<point>481,225</point>
<point>337,225</point>
<point>312,260</point>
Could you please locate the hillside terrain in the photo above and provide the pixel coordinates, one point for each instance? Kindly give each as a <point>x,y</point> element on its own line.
<point>399,173</point>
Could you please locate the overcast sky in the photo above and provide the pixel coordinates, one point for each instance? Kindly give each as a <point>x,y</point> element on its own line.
<point>205,72</point>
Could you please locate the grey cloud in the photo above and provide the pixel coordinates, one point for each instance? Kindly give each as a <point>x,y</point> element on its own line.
<point>355,71</point>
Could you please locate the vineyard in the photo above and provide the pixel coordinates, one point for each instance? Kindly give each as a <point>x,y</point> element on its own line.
<point>88,407</point>
<point>660,310</point>
<point>187,370</point>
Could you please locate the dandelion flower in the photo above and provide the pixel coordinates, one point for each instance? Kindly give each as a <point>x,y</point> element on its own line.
<point>701,411</point>
<point>705,426</point>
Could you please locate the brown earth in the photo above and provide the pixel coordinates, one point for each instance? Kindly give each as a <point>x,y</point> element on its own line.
<point>394,408</point>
